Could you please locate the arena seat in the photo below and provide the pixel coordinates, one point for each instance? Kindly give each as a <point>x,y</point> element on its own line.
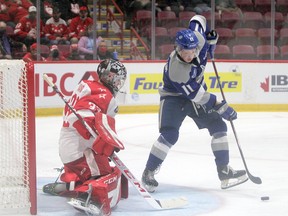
<point>243,52</point>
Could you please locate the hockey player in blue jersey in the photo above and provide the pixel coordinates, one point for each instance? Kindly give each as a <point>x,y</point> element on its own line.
<point>184,93</point>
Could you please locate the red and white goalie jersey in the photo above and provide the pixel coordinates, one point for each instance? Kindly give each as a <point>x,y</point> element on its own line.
<point>89,98</point>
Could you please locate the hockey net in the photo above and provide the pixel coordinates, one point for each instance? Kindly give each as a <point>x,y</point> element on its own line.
<point>17,139</point>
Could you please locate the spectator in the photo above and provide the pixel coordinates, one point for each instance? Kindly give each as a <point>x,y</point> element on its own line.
<point>63,6</point>
<point>46,10</point>
<point>55,54</point>
<point>86,44</point>
<point>18,9</point>
<point>56,29</point>
<point>74,7</point>
<point>4,15</point>
<point>199,6</point>
<point>174,5</point>
<point>80,23</point>
<point>74,41</point>
<point>74,52</point>
<point>7,44</point>
<point>32,55</point>
<point>25,31</point>
<point>228,6</point>
<point>103,52</point>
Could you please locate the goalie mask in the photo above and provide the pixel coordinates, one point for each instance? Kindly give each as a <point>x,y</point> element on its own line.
<point>112,74</point>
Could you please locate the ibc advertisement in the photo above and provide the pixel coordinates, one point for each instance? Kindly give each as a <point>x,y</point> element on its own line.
<point>242,83</point>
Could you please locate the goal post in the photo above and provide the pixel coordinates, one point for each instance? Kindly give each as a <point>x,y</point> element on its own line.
<point>18,194</point>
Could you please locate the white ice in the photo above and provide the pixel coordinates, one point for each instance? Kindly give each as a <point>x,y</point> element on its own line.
<point>189,169</point>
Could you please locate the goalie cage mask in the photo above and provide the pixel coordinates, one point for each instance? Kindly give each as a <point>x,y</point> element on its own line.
<point>112,74</point>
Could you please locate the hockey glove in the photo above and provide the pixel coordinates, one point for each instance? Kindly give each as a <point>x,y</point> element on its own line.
<point>212,38</point>
<point>103,148</point>
<point>226,111</point>
<point>107,141</point>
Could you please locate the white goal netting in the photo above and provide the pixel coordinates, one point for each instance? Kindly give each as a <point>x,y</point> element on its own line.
<point>15,150</point>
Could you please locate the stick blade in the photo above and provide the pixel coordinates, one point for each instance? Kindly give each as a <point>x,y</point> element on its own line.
<point>254,179</point>
<point>173,203</point>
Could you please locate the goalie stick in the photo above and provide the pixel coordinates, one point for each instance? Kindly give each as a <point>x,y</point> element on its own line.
<point>254,179</point>
<point>155,203</point>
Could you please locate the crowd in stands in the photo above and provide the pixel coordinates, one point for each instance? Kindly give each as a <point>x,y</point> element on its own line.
<point>63,22</point>
<point>69,23</point>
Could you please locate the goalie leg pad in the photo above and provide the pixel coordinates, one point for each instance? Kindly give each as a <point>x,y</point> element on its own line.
<point>106,190</point>
<point>80,168</point>
<point>89,165</point>
<point>69,176</point>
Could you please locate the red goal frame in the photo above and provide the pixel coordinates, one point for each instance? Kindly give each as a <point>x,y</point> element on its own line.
<point>31,136</point>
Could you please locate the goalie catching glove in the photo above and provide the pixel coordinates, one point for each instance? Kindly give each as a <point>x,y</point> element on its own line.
<point>212,38</point>
<point>107,141</point>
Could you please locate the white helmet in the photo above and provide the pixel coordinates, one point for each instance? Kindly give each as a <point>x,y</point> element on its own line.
<point>112,74</point>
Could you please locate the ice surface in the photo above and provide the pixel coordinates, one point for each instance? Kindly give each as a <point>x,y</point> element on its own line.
<point>189,168</point>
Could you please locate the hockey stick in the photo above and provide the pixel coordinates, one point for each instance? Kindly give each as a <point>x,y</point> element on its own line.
<point>157,204</point>
<point>254,179</point>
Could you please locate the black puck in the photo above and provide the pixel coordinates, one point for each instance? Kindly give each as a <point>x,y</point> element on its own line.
<point>263,198</point>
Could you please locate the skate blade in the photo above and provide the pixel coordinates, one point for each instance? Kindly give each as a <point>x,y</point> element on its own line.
<point>225,184</point>
<point>80,205</point>
<point>149,188</point>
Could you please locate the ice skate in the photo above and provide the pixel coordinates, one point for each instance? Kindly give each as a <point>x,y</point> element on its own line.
<point>149,181</point>
<point>89,208</point>
<point>230,178</point>
<point>54,188</point>
<point>84,203</point>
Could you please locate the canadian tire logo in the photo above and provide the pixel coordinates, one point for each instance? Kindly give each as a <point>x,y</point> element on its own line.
<point>275,83</point>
